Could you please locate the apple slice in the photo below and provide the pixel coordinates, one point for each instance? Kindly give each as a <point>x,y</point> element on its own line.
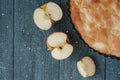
<point>41,20</point>
<point>86,67</point>
<point>58,44</point>
<point>46,15</point>
<point>54,11</point>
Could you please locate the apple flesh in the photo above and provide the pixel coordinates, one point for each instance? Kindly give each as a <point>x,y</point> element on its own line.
<point>42,21</point>
<point>58,44</point>
<point>86,67</point>
<point>46,15</point>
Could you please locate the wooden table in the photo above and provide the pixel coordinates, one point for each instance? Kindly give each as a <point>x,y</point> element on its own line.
<point>23,51</point>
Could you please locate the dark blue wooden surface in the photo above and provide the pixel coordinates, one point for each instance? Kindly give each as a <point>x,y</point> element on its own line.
<point>6,40</point>
<point>23,51</point>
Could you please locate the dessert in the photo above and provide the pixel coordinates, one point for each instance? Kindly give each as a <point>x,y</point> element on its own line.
<point>98,22</point>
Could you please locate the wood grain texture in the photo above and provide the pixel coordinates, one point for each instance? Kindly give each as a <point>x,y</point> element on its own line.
<point>32,59</point>
<point>112,69</point>
<point>68,68</point>
<point>6,39</point>
<point>23,51</point>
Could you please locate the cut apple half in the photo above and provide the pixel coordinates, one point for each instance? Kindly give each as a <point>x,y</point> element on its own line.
<point>54,11</point>
<point>86,67</point>
<point>46,15</point>
<point>58,44</point>
<point>41,20</point>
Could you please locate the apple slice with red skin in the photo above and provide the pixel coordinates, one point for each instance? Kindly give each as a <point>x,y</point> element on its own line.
<point>46,15</point>
<point>59,45</point>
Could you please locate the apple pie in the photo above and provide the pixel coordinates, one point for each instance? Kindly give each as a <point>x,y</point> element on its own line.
<point>98,22</point>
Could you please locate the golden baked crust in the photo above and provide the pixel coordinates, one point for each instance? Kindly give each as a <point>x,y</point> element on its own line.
<point>98,22</point>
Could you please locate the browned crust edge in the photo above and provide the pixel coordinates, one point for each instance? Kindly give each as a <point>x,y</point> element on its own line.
<point>77,32</point>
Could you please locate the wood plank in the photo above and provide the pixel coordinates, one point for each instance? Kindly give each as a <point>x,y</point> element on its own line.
<point>6,39</point>
<point>68,68</point>
<point>32,59</point>
<point>112,69</point>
